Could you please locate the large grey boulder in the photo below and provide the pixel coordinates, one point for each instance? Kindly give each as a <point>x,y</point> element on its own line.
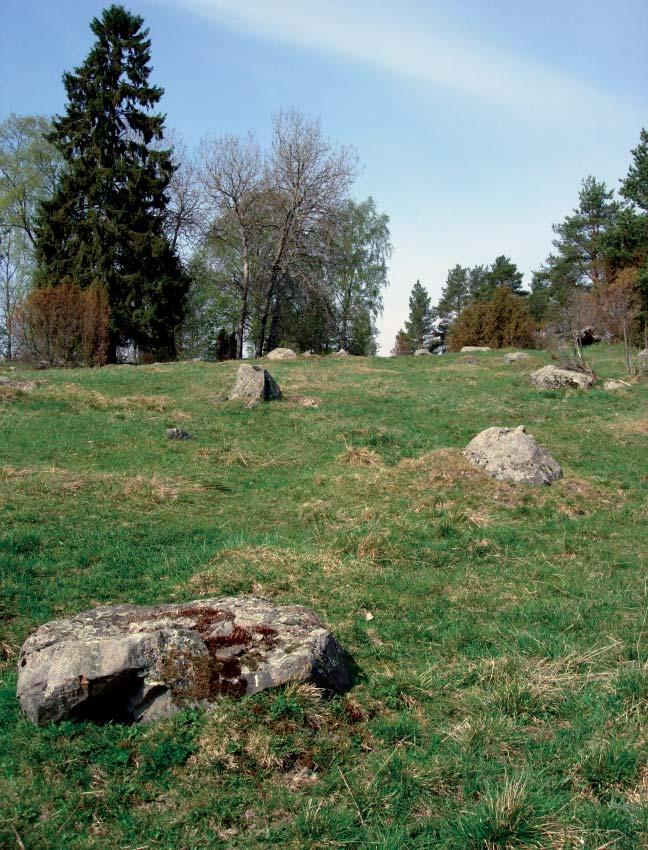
<point>132,663</point>
<point>510,454</point>
<point>515,356</point>
<point>281,354</point>
<point>253,384</point>
<point>474,348</point>
<point>554,378</point>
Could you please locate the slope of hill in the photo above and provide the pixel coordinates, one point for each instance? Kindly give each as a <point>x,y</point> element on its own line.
<point>498,632</point>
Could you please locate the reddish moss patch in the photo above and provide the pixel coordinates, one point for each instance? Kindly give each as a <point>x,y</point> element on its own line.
<point>213,676</point>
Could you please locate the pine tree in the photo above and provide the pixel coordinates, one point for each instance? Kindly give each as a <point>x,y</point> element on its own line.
<point>635,185</point>
<point>504,272</point>
<point>581,236</point>
<point>419,324</point>
<point>105,222</point>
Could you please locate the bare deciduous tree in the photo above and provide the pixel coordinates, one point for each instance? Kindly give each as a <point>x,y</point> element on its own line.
<point>14,283</point>
<point>186,212</point>
<point>307,178</point>
<point>232,177</point>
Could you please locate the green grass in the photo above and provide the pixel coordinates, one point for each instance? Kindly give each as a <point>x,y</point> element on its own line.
<point>498,631</point>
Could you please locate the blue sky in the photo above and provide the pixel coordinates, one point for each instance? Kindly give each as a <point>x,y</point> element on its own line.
<point>474,121</point>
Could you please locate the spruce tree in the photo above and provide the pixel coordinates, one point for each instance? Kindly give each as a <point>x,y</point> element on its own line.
<point>419,324</point>
<point>104,223</point>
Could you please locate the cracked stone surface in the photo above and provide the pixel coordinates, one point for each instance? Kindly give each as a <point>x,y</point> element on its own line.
<point>131,663</point>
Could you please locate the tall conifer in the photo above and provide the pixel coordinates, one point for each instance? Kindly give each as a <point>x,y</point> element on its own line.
<point>105,221</point>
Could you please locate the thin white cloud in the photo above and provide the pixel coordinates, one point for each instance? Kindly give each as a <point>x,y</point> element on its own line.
<point>394,39</point>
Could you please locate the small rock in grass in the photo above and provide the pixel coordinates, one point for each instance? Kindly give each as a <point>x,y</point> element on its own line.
<point>475,348</point>
<point>515,356</point>
<point>421,351</point>
<point>177,434</point>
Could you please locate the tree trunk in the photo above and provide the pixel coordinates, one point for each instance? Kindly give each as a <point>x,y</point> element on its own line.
<point>244,300</point>
<point>274,324</point>
<point>265,312</point>
<point>263,321</point>
<point>111,354</point>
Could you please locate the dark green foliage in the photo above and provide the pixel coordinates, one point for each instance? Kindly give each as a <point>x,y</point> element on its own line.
<point>105,222</point>
<point>224,347</point>
<point>503,272</point>
<point>455,294</point>
<point>626,242</point>
<point>499,322</point>
<point>580,236</point>
<point>635,185</point>
<point>419,324</point>
<point>464,285</point>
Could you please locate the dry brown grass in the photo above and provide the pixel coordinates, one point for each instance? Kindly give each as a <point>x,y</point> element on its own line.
<point>303,401</point>
<point>360,457</point>
<point>235,456</point>
<point>107,486</point>
<point>637,794</point>
<point>84,397</point>
<point>265,562</point>
<point>152,488</point>
<point>631,426</point>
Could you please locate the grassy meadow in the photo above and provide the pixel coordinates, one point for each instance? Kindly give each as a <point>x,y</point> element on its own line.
<point>499,633</point>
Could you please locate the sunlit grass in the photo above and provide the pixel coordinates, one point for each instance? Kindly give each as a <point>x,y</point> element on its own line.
<point>498,631</point>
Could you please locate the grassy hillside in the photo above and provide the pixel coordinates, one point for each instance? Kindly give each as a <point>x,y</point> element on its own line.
<point>498,631</point>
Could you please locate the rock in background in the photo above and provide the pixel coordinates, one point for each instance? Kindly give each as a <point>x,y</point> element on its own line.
<point>554,378</point>
<point>281,354</point>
